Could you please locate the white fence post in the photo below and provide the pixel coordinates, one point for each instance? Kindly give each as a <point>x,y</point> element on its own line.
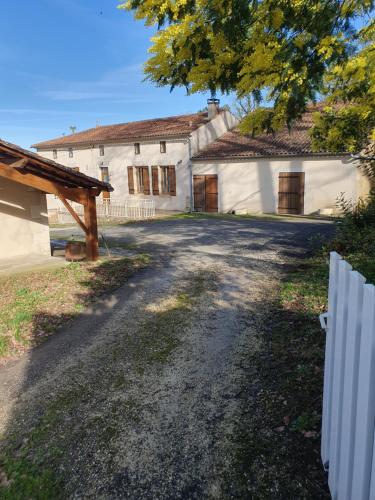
<point>364,437</point>
<point>329,352</point>
<point>349,404</point>
<point>339,333</point>
<point>348,420</point>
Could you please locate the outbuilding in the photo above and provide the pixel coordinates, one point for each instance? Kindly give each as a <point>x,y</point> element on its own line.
<point>277,173</point>
<point>25,179</point>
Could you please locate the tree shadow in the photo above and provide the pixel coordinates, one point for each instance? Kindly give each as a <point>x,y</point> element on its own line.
<point>53,395</point>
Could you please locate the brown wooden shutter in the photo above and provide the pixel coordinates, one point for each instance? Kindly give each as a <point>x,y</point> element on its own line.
<point>172,180</point>
<point>130,180</point>
<point>146,181</point>
<point>155,180</point>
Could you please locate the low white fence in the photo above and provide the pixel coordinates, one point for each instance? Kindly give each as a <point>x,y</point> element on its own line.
<point>133,210</point>
<point>348,450</point>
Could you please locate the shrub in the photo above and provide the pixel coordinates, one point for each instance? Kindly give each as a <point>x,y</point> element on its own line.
<point>356,231</point>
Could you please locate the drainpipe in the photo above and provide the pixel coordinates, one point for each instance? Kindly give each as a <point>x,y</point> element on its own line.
<point>190,176</point>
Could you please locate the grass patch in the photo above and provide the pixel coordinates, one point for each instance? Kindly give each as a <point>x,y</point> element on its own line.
<point>277,442</point>
<point>229,216</point>
<point>19,479</point>
<point>33,305</point>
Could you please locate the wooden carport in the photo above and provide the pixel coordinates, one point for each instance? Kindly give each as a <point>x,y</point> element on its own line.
<point>30,169</point>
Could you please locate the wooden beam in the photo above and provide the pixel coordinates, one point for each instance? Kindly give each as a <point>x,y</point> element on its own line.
<point>28,179</point>
<point>74,214</point>
<point>66,174</point>
<point>19,164</point>
<point>92,244</point>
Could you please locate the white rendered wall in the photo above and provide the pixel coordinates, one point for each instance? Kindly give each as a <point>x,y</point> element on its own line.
<point>24,226</point>
<point>252,185</point>
<point>213,129</point>
<point>117,157</point>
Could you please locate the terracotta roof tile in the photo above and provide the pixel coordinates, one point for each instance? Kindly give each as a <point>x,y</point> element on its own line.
<point>233,144</point>
<point>60,172</point>
<point>158,127</point>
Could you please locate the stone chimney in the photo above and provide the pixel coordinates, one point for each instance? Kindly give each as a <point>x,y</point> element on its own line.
<point>213,106</point>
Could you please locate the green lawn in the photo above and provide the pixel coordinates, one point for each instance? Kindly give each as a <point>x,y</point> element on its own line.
<point>34,304</point>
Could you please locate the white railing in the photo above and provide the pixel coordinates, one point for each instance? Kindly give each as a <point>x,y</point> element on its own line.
<point>133,210</point>
<point>348,451</point>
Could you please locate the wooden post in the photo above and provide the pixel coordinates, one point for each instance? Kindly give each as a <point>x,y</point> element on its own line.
<point>92,246</point>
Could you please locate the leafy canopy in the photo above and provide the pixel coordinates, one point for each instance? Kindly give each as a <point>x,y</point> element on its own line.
<point>280,52</point>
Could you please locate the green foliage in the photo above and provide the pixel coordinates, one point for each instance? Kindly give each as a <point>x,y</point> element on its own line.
<point>355,235</point>
<point>349,126</point>
<point>285,53</point>
<point>20,479</point>
<point>345,129</point>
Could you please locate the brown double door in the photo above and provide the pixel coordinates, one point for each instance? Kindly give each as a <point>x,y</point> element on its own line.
<point>291,192</point>
<point>205,193</point>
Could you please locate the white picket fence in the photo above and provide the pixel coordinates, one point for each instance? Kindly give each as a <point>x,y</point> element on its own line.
<point>133,210</point>
<point>348,449</point>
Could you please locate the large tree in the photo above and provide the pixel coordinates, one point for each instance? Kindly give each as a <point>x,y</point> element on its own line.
<point>284,53</point>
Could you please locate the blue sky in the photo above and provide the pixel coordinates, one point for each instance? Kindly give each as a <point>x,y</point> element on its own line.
<point>76,62</point>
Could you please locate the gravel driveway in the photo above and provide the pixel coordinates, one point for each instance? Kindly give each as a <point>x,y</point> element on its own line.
<point>136,399</point>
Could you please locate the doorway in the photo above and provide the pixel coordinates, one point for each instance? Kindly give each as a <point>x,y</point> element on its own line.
<point>291,193</point>
<point>205,193</point>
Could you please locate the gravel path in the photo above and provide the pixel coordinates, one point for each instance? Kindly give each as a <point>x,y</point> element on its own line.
<point>135,399</point>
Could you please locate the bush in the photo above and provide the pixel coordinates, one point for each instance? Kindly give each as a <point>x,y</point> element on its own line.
<point>356,231</point>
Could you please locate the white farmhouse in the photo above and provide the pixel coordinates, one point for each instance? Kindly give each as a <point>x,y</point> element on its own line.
<point>202,162</point>
<point>150,158</point>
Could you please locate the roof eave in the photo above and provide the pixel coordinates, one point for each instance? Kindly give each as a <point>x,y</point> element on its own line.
<point>48,147</point>
<point>256,157</point>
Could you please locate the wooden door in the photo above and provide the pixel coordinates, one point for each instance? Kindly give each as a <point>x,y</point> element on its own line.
<point>199,193</point>
<point>205,193</point>
<point>211,193</point>
<point>291,192</point>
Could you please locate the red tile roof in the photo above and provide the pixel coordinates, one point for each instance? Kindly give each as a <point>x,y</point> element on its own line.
<point>233,144</point>
<point>172,126</point>
<point>46,168</point>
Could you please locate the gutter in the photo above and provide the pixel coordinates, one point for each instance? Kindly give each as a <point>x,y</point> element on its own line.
<point>190,165</point>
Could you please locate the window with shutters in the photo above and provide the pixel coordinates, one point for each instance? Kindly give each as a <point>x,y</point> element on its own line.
<point>131,180</point>
<point>143,182</point>
<point>168,180</point>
